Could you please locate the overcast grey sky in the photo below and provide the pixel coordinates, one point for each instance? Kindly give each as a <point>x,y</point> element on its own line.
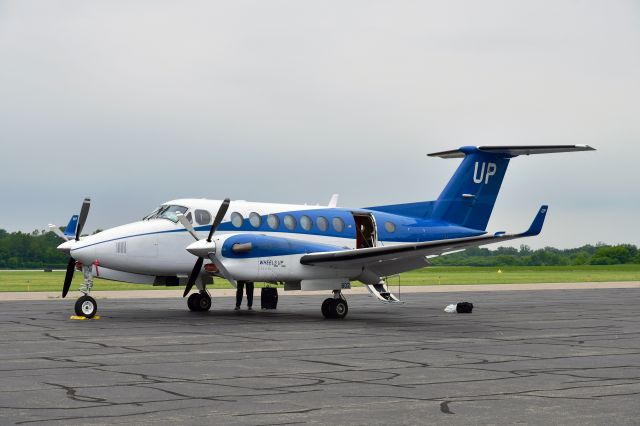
<point>137,102</point>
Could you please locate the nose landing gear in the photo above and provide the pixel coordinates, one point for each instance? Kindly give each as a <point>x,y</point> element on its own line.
<point>335,307</point>
<point>86,305</point>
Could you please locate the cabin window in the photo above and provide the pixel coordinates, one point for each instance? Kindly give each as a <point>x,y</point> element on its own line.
<point>290,222</point>
<point>273,221</point>
<point>236,219</point>
<point>338,224</point>
<point>322,223</point>
<point>203,217</point>
<point>305,222</point>
<point>189,217</point>
<point>390,227</point>
<point>255,220</point>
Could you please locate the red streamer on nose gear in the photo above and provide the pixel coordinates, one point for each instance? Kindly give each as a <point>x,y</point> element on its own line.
<point>96,264</point>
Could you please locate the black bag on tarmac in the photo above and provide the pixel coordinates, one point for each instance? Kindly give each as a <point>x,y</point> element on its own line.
<point>464,307</point>
<point>269,298</point>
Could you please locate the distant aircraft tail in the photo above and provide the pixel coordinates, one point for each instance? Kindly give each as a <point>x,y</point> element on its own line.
<point>470,195</point>
<point>70,230</point>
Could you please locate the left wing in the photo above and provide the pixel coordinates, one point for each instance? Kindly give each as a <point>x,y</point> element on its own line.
<point>404,257</point>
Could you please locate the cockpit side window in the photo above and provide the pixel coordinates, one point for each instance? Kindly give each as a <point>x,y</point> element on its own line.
<point>167,212</point>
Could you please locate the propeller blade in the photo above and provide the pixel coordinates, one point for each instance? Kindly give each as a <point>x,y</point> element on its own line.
<point>84,212</point>
<point>194,275</point>
<point>219,216</point>
<point>223,270</point>
<point>57,231</point>
<point>68,276</point>
<point>187,225</point>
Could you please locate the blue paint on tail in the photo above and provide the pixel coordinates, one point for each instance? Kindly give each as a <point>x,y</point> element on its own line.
<point>70,230</point>
<point>470,195</point>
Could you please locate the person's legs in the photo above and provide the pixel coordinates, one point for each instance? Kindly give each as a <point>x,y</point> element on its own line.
<point>249,294</point>
<point>239,291</point>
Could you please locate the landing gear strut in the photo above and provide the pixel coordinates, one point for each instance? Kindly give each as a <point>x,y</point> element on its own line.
<point>335,307</point>
<point>86,305</point>
<point>199,302</point>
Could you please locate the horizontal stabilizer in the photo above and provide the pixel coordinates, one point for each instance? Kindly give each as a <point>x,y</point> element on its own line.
<point>511,150</point>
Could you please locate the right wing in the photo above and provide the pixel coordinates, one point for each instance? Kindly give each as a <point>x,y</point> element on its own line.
<point>390,260</point>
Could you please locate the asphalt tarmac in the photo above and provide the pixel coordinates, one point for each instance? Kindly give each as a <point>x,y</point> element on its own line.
<point>529,357</point>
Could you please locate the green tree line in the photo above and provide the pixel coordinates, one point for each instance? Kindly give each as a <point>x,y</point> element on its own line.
<point>19,250</point>
<point>36,250</point>
<point>599,254</point>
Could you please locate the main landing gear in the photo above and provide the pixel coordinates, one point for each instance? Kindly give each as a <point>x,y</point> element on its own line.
<point>86,305</point>
<point>199,302</point>
<point>335,307</point>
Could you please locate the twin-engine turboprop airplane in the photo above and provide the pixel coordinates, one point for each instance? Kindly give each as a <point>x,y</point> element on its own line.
<point>304,247</point>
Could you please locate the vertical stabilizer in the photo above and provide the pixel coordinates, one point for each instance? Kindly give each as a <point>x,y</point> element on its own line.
<point>470,195</point>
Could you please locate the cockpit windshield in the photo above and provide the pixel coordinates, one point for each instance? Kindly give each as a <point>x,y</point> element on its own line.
<point>166,212</point>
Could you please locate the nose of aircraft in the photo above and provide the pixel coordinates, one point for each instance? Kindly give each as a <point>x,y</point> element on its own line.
<point>79,250</point>
<point>66,246</point>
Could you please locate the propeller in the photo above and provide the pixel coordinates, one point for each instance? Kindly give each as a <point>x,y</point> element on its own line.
<point>206,247</point>
<point>84,212</point>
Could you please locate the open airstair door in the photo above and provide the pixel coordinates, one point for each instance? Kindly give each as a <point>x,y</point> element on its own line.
<point>366,234</point>
<point>382,293</point>
<point>366,237</point>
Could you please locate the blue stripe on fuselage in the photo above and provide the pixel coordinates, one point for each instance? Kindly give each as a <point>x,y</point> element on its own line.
<point>407,229</point>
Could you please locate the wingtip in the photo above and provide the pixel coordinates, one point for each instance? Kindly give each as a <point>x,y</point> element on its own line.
<point>538,222</point>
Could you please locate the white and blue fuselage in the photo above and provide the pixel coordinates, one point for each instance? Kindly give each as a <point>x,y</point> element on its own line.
<point>279,233</point>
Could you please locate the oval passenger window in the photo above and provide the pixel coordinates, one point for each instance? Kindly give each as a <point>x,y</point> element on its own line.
<point>255,220</point>
<point>273,221</point>
<point>289,222</point>
<point>237,219</point>
<point>338,224</point>
<point>323,223</point>
<point>305,222</point>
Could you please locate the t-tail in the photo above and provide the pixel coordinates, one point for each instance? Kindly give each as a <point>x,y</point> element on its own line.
<point>70,230</point>
<point>470,195</point>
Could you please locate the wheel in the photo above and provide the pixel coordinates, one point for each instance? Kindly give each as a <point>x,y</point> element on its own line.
<point>193,302</point>
<point>340,308</point>
<point>327,308</point>
<point>204,302</point>
<point>86,306</point>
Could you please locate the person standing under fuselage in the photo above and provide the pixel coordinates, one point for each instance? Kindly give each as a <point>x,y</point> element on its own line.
<point>239,290</point>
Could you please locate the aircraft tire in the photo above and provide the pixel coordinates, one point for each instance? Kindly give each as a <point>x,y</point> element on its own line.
<point>86,306</point>
<point>193,302</point>
<point>340,308</point>
<point>327,308</point>
<point>204,302</point>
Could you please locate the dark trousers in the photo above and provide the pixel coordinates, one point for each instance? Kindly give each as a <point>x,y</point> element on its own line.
<point>249,293</point>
